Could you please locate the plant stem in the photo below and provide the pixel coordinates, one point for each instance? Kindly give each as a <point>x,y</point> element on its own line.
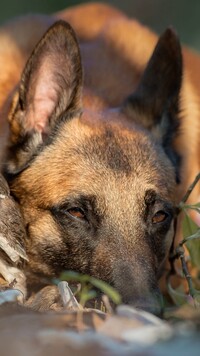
<point>190,189</point>
<point>180,252</point>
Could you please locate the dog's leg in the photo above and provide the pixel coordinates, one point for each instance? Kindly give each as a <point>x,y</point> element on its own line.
<point>12,239</point>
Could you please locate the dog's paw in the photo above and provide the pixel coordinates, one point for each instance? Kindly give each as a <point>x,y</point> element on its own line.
<point>54,298</point>
<point>48,298</point>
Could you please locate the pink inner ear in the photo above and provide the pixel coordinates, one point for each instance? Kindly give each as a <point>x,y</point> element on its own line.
<point>42,100</point>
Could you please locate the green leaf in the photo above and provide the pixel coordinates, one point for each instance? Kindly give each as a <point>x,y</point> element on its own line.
<point>195,236</point>
<point>189,227</point>
<point>86,295</point>
<point>178,296</point>
<point>195,207</point>
<point>189,206</point>
<point>193,244</point>
<point>74,276</point>
<point>196,298</point>
<point>101,285</point>
<point>106,289</point>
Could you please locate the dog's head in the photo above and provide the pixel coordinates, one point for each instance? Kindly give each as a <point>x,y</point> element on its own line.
<point>97,189</point>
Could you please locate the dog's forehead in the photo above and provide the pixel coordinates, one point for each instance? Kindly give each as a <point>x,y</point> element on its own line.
<point>106,134</point>
<point>98,158</point>
<point>109,140</point>
<point>106,147</point>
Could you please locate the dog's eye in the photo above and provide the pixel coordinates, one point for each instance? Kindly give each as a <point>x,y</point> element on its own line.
<point>77,213</point>
<point>159,217</point>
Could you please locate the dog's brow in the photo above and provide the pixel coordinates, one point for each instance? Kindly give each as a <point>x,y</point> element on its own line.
<point>77,199</point>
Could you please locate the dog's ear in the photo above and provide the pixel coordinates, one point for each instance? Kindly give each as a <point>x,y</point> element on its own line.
<point>49,93</point>
<point>155,103</point>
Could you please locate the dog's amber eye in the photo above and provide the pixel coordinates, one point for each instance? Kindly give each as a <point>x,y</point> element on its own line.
<point>159,217</point>
<point>77,213</point>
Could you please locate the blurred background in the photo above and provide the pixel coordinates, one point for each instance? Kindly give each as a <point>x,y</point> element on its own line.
<point>184,16</point>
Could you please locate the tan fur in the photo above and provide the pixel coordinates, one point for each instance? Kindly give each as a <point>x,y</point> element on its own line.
<point>115,51</point>
<point>109,33</point>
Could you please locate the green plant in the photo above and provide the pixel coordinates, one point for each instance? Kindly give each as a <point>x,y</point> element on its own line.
<point>85,291</point>
<point>191,243</point>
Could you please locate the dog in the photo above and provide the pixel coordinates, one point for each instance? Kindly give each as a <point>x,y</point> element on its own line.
<point>100,140</point>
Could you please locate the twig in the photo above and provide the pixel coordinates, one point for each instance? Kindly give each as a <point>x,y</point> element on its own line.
<point>106,302</point>
<point>195,236</point>
<point>190,189</point>
<point>180,252</point>
<point>68,299</point>
<point>171,256</point>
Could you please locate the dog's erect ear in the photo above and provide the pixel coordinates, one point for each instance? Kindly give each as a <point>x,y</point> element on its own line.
<point>155,103</point>
<point>158,90</point>
<point>49,93</point>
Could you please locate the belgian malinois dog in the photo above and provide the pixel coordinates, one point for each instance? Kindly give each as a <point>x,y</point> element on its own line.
<point>103,140</point>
